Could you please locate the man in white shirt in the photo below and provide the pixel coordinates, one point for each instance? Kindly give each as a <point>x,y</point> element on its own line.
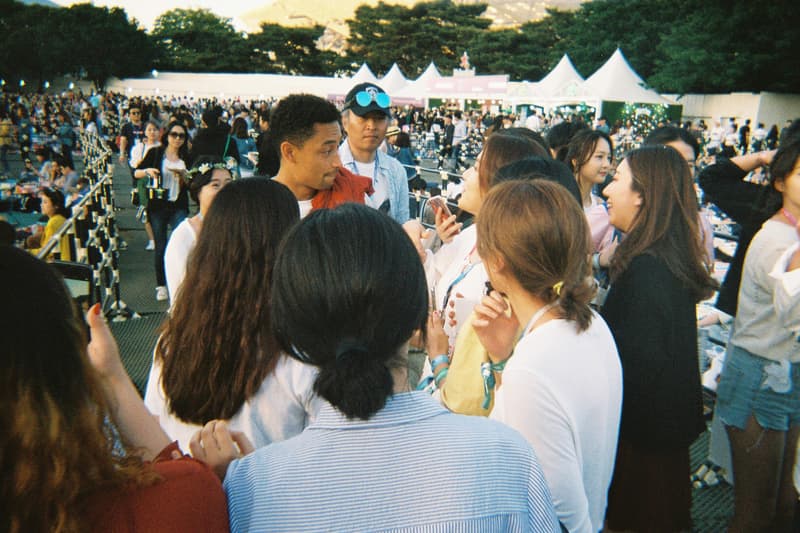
<point>459,134</point>
<point>533,122</point>
<point>365,118</point>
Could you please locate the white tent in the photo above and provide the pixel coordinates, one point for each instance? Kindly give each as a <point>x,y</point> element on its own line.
<point>430,73</point>
<point>563,80</point>
<point>394,80</point>
<point>617,81</point>
<point>229,86</point>
<point>363,75</point>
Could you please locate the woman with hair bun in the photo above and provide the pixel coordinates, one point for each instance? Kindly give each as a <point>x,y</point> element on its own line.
<point>658,275</point>
<point>562,389</point>
<point>349,293</point>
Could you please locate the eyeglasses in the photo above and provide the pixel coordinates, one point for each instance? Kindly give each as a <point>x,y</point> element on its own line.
<point>177,135</point>
<point>364,98</point>
<point>136,113</point>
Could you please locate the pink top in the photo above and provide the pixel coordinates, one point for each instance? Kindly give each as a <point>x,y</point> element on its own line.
<point>601,228</point>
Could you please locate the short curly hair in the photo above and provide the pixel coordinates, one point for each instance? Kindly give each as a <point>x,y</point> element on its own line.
<point>294,118</point>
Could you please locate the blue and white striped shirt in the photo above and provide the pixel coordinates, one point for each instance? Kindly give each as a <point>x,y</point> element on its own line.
<point>414,466</point>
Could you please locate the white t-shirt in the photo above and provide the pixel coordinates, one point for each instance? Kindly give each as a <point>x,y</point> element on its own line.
<point>379,183</point>
<point>283,406</point>
<point>451,265</point>
<point>305,207</point>
<point>169,179</point>
<point>563,391</point>
<point>181,242</point>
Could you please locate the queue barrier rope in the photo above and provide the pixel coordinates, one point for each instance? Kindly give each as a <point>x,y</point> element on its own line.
<point>92,232</point>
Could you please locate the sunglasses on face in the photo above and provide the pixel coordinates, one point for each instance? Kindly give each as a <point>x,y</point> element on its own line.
<point>364,98</point>
<point>177,135</point>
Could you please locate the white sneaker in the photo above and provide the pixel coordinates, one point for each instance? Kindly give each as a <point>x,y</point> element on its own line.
<point>151,245</point>
<point>161,293</point>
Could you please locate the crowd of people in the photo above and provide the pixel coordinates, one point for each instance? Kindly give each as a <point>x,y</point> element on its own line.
<point>554,296</point>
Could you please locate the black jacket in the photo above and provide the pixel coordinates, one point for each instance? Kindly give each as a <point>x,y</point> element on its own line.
<point>215,142</point>
<point>652,318</point>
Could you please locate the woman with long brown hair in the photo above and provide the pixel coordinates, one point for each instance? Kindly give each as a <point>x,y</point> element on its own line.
<point>217,357</point>
<point>457,275</point>
<point>589,155</point>
<point>78,450</point>
<point>658,275</point>
<point>562,389</point>
<point>168,202</point>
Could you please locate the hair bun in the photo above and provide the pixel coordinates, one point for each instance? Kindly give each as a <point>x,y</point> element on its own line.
<point>349,348</point>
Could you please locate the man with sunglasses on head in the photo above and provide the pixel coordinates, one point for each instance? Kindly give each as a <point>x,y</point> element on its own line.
<point>365,118</point>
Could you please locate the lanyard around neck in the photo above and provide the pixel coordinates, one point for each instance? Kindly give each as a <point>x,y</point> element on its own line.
<point>535,318</point>
<point>468,266</point>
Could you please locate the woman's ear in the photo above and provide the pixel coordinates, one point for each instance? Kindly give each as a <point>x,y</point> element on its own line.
<point>495,269</point>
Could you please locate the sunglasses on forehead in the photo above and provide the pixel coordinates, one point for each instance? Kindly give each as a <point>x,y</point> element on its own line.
<point>364,98</point>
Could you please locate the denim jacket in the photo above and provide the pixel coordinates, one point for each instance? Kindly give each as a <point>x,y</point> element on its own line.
<point>398,181</point>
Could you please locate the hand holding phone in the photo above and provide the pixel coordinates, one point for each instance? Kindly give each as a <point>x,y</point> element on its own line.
<point>446,225</point>
<point>440,205</point>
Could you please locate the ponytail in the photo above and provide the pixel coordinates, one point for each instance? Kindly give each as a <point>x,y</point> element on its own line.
<point>574,302</point>
<point>356,382</point>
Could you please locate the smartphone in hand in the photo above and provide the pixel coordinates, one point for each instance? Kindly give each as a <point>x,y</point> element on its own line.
<point>440,204</point>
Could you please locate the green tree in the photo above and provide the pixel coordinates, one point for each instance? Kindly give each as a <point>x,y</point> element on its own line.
<point>592,33</point>
<point>32,45</point>
<point>413,37</point>
<point>524,53</point>
<point>289,50</point>
<point>102,42</point>
<point>196,40</point>
<point>39,43</point>
<point>748,50</point>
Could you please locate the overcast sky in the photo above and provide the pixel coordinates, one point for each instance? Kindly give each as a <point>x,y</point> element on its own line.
<point>146,11</point>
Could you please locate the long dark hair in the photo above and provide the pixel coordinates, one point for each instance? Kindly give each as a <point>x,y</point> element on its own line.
<point>349,292</point>
<point>183,151</point>
<point>217,347</point>
<point>57,446</point>
<point>666,225</point>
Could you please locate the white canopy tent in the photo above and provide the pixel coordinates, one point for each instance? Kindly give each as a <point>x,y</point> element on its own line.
<point>560,85</point>
<point>617,81</point>
<point>363,75</point>
<point>430,73</point>
<point>394,80</point>
<point>563,81</point>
